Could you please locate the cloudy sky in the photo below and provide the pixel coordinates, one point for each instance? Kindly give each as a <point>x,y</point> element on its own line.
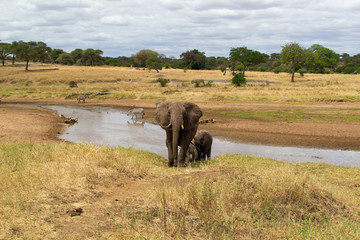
<point>123,27</point>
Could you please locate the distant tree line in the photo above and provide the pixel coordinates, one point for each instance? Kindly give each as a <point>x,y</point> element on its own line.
<point>293,58</point>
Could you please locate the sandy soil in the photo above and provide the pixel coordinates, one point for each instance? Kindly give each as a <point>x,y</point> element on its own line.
<point>31,123</point>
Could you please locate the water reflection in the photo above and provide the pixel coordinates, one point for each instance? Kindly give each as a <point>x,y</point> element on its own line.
<point>100,125</point>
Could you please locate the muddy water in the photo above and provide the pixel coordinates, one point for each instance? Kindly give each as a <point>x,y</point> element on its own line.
<point>99,125</point>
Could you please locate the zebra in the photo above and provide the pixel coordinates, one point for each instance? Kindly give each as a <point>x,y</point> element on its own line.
<point>136,112</point>
<point>82,98</point>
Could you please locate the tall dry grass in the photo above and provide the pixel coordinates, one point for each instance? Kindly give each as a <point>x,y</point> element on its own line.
<point>229,197</point>
<point>40,181</point>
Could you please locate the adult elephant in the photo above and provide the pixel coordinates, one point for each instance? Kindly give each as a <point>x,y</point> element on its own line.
<point>203,142</point>
<point>180,120</point>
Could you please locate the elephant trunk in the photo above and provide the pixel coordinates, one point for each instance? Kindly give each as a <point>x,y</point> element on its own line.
<point>177,126</point>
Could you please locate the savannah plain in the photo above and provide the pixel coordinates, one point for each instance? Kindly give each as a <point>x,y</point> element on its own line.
<point>52,189</point>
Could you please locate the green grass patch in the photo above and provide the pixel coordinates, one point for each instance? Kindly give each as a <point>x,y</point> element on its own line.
<point>314,115</point>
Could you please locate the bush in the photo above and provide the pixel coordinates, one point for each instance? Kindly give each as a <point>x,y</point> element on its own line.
<point>261,69</point>
<point>209,83</point>
<point>198,82</point>
<point>302,72</point>
<point>280,68</point>
<point>163,81</point>
<point>239,79</point>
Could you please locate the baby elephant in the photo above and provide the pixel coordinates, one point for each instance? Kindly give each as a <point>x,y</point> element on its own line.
<point>191,153</point>
<point>136,112</point>
<point>203,141</point>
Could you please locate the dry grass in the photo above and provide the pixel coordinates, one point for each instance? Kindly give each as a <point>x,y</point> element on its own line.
<point>52,83</point>
<point>130,194</point>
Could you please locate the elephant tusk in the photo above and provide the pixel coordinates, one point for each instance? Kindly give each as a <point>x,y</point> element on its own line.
<point>165,127</point>
<point>182,126</point>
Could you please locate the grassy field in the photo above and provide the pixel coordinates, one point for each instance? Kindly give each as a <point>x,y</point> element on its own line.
<point>230,197</point>
<point>52,82</point>
<point>82,191</point>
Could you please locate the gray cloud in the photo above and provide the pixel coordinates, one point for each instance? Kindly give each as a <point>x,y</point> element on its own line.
<point>172,27</point>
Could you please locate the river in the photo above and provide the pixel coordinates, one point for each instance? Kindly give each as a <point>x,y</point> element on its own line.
<point>112,127</point>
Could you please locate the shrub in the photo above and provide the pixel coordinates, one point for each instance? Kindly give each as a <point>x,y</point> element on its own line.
<point>223,69</point>
<point>209,83</point>
<point>261,69</point>
<point>302,72</point>
<point>239,79</point>
<point>280,68</point>
<point>198,82</point>
<point>163,81</point>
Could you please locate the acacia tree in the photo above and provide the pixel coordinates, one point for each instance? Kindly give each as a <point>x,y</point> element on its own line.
<point>153,62</point>
<point>27,51</point>
<point>65,58</point>
<point>143,55</point>
<point>5,50</point>
<point>323,58</point>
<point>92,57</point>
<point>55,53</point>
<point>77,55</point>
<point>246,57</point>
<point>294,55</point>
<point>42,52</point>
<point>194,59</point>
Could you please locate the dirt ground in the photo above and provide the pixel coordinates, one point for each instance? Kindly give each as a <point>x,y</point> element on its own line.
<point>33,124</point>
<point>29,124</point>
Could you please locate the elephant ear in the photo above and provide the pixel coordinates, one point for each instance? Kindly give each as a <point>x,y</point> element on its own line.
<point>193,112</point>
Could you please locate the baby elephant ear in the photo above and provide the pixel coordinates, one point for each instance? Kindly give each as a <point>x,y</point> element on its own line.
<point>193,111</point>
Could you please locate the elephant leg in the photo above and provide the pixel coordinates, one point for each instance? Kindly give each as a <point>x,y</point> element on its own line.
<point>185,142</point>
<point>169,146</point>
<point>208,153</point>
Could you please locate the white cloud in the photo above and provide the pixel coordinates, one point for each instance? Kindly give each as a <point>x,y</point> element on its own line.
<point>172,27</point>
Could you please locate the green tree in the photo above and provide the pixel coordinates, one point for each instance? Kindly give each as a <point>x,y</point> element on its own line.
<point>323,58</point>
<point>5,50</point>
<point>141,57</point>
<point>295,56</point>
<point>43,52</point>
<point>211,63</point>
<point>345,57</point>
<point>92,57</point>
<point>194,59</point>
<point>55,53</point>
<point>35,51</point>
<point>246,57</point>
<point>77,54</point>
<point>65,59</point>
<point>153,62</point>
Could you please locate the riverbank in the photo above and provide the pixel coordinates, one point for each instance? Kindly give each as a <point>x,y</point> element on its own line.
<point>29,123</point>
